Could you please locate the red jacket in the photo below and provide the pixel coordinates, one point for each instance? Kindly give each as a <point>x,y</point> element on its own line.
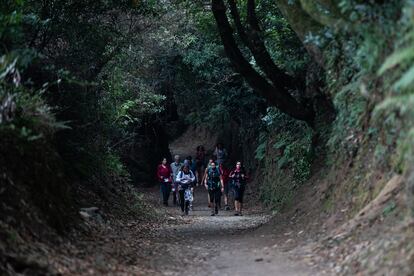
<point>164,173</point>
<point>224,174</point>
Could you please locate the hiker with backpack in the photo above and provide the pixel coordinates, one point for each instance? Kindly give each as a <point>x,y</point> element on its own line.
<point>191,164</point>
<point>203,180</point>
<point>211,160</point>
<point>175,168</point>
<point>164,176</point>
<point>185,179</point>
<point>214,185</point>
<point>239,178</point>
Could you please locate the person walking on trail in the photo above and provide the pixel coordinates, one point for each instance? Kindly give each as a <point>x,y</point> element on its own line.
<point>185,179</point>
<point>175,168</point>
<point>203,180</point>
<point>225,175</point>
<point>189,161</point>
<point>164,176</point>
<point>211,160</point>
<point>239,178</point>
<point>220,153</point>
<point>214,185</point>
<point>200,161</point>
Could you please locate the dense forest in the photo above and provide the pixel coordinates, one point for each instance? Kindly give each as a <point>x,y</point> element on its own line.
<point>316,98</point>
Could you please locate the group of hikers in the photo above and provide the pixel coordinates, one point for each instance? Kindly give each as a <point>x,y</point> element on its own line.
<point>180,178</point>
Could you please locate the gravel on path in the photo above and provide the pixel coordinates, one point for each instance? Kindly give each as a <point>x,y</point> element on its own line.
<point>221,245</point>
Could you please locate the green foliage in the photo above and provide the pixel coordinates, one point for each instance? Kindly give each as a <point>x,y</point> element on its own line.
<point>395,112</point>
<point>352,107</point>
<point>357,45</point>
<point>209,92</point>
<point>403,56</point>
<point>95,80</point>
<point>213,93</point>
<point>204,74</point>
<point>287,153</point>
<point>354,48</point>
<point>389,208</point>
<point>286,49</point>
<point>115,165</point>
<point>76,90</point>
<point>127,100</point>
<point>23,110</point>
<point>260,152</point>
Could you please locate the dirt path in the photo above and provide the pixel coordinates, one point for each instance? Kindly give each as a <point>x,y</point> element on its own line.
<point>197,244</point>
<point>221,245</point>
<point>171,244</point>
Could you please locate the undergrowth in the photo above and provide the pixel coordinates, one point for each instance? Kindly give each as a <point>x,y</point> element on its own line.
<point>371,91</point>
<point>285,150</point>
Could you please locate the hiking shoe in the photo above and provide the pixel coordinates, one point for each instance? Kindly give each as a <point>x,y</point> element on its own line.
<point>212,214</point>
<point>227,208</point>
<point>186,212</point>
<point>236,214</point>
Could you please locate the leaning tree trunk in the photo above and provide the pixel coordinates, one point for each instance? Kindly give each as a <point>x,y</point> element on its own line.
<point>275,95</point>
<point>253,40</point>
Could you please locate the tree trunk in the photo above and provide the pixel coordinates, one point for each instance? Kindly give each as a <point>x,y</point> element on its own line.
<point>275,95</point>
<point>255,43</point>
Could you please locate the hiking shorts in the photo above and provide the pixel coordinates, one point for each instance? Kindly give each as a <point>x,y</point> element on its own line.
<point>239,193</point>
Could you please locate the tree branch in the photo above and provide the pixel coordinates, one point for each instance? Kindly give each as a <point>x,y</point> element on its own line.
<point>255,43</point>
<point>261,55</point>
<point>275,95</point>
<point>237,22</point>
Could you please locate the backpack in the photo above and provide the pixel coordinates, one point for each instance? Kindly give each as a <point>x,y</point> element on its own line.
<point>213,178</point>
<point>238,181</point>
<point>187,185</point>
